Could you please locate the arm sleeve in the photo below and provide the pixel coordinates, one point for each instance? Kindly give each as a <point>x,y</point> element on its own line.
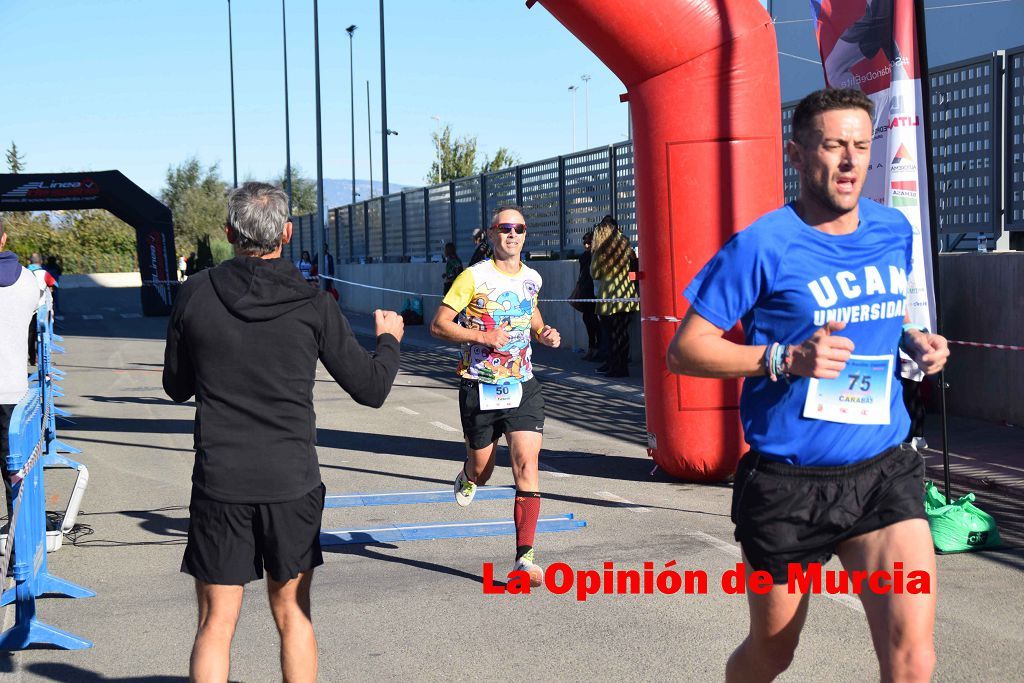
<point>179,373</point>
<point>731,283</point>
<point>461,292</point>
<point>367,377</point>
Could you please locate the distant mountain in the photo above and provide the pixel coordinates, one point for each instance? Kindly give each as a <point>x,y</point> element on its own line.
<point>339,192</point>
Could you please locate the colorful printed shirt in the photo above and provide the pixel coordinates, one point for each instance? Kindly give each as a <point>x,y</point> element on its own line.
<point>486,298</point>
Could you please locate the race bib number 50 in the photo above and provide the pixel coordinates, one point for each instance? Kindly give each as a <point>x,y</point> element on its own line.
<point>860,395</point>
<point>500,396</point>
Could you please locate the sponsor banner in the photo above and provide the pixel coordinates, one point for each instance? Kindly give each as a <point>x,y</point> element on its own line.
<point>872,45</point>
<point>52,190</point>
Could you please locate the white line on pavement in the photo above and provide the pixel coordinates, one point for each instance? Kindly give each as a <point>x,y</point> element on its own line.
<point>552,471</point>
<point>92,317</point>
<point>622,501</point>
<point>407,411</point>
<point>442,425</point>
<point>131,315</point>
<point>728,548</point>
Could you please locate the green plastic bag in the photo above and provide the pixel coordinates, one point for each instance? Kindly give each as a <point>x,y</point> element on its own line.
<point>960,526</point>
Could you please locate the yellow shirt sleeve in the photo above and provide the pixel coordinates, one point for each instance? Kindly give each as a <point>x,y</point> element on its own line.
<point>461,292</point>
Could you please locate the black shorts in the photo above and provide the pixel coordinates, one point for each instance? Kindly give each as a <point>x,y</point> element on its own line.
<point>788,514</point>
<point>230,543</point>
<point>484,427</point>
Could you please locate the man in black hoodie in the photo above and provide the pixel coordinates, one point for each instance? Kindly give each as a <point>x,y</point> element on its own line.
<point>244,338</point>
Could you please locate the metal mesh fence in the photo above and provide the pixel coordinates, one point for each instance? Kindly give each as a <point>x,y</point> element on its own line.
<point>374,229</point>
<point>467,213</point>
<point>415,224</point>
<point>394,249</point>
<point>540,199</point>
<point>439,220</point>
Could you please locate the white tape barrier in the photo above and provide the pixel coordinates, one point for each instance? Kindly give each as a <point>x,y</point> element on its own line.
<point>441,296</point>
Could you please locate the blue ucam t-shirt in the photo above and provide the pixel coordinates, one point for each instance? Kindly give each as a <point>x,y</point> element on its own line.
<point>783,280</point>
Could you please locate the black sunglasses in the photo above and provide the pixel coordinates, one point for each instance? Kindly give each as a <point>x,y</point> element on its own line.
<point>506,228</point>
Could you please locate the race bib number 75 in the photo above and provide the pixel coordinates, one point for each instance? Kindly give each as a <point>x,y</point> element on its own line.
<point>860,395</point>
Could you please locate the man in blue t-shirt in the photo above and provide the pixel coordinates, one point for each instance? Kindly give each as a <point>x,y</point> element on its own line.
<point>820,289</point>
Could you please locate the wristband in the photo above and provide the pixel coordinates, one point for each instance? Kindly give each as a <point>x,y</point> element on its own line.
<point>776,361</point>
<point>906,328</point>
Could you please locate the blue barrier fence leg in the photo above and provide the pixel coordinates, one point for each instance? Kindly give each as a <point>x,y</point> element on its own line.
<point>28,630</point>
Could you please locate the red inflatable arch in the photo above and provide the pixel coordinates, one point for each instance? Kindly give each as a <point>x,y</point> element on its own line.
<point>702,82</point>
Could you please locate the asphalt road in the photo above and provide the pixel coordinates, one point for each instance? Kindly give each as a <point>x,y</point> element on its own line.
<point>417,610</point>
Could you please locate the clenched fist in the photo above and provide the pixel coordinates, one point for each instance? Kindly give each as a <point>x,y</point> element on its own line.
<point>824,355</point>
<point>389,322</point>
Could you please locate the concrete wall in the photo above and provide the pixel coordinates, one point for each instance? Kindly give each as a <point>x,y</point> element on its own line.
<point>983,301</point>
<point>101,280</point>
<point>559,280</point>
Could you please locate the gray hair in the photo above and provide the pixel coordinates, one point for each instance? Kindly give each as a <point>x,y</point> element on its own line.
<point>257,212</point>
<point>506,207</point>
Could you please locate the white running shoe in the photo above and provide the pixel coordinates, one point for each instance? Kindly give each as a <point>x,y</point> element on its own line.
<point>526,564</point>
<point>464,489</point>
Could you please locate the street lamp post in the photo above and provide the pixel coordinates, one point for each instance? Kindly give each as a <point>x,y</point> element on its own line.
<point>572,95</point>
<point>231,58</point>
<point>287,126</point>
<point>383,105</point>
<point>369,136</point>
<point>352,97</point>
<point>319,221</point>
<point>586,108</point>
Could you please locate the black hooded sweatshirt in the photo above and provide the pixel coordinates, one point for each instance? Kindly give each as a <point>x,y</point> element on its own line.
<point>244,338</point>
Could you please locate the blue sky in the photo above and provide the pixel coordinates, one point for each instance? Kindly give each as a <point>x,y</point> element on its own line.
<point>139,85</point>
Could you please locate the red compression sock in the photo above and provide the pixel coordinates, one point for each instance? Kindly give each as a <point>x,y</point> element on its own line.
<point>525,513</point>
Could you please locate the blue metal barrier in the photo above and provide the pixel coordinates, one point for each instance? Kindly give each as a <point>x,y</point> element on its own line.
<point>31,424</point>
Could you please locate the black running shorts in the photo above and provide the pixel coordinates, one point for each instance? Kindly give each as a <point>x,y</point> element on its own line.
<point>484,427</point>
<point>231,543</point>
<point>788,514</point>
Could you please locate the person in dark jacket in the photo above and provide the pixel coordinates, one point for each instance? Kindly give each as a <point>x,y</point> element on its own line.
<point>482,251</point>
<point>244,338</point>
<point>585,290</point>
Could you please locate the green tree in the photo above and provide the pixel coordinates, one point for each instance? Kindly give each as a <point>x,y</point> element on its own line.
<point>15,161</point>
<point>503,158</point>
<point>455,158</point>
<point>303,191</point>
<point>196,197</point>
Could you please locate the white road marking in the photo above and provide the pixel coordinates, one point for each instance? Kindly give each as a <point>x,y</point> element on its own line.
<point>845,600</point>
<point>92,317</point>
<point>131,315</point>
<point>407,411</point>
<point>622,501</point>
<point>552,471</point>
<point>442,425</point>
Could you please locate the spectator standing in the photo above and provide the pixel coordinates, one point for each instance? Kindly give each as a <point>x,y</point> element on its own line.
<point>584,289</point>
<point>483,251</point>
<point>46,284</point>
<point>55,270</point>
<point>257,497</point>
<point>19,298</point>
<point>452,266</point>
<point>305,266</point>
<point>190,265</point>
<point>610,267</point>
<point>328,269</point>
